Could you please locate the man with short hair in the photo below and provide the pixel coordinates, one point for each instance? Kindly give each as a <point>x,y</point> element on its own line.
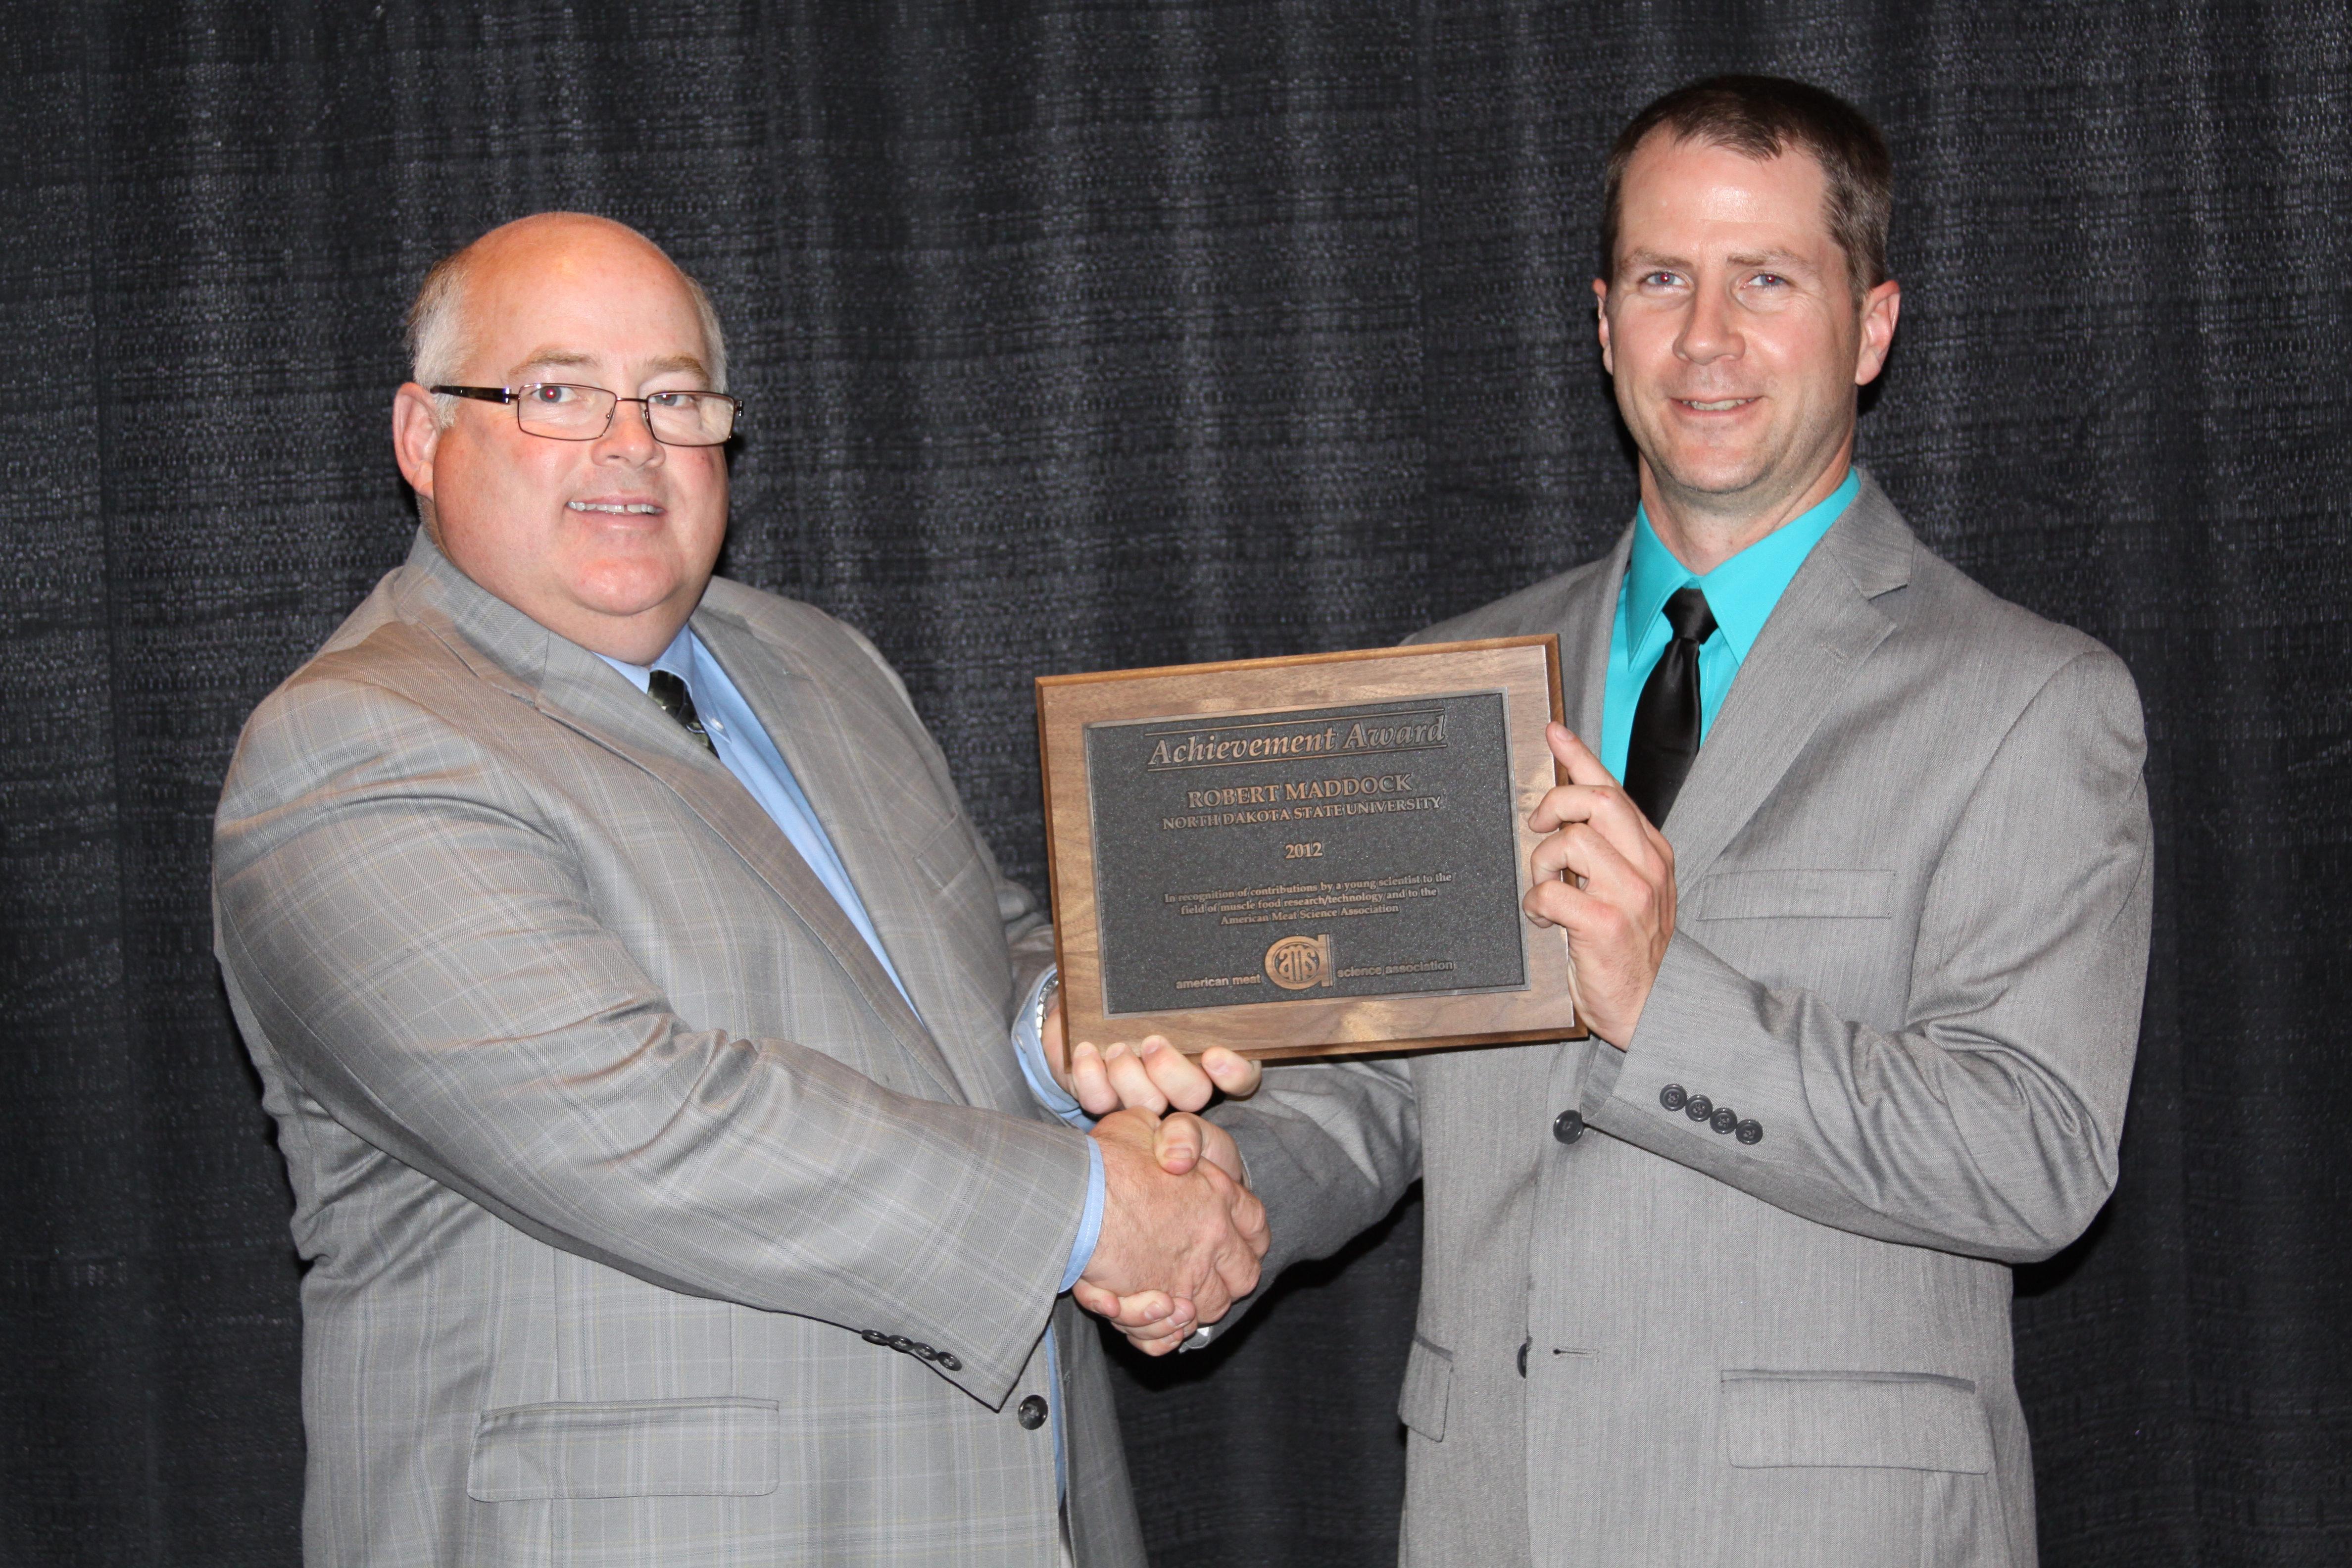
<point>1861,941</point>
<point>639,1008</point>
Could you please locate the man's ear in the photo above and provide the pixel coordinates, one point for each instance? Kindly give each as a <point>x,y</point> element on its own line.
<point>1601,316</point>
<point>415,432</point>
<point>1879,308</point>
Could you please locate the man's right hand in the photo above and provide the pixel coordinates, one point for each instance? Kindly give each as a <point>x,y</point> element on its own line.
<point>1186,1239</point>
<point>1153,1076</point>
<point>1154,1320</point>
<point>1606,877</point>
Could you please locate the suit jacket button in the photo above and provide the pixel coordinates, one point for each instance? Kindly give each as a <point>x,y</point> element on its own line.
<point>1724,1120</point>
<point>901,1343</point>
<point>1671,1097</point>
<point>948,1360</point>
<point>1523,1357</point>
<point>1568,1126</point>
<point>1031,1413</point>
<point>1698,1108</point>
<point>874,1336</point>
<point>1749,1132</point>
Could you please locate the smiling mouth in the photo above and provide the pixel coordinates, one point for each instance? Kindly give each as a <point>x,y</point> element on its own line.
<point>617,509</point>
<point>1723,405</point>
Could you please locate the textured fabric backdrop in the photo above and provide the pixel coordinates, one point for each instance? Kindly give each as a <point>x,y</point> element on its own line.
<point>1086,334</point>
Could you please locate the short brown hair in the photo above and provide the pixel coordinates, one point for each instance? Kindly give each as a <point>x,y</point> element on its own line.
<point>1762,117</point>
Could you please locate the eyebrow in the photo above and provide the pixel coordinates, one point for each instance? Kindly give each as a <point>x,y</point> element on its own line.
<point>564,359</point>
<point>1785,261</point>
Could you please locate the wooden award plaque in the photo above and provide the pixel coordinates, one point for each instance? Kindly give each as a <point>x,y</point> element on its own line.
<point>1313,856</point>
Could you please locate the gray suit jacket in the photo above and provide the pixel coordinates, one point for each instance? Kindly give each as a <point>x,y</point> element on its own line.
<point>1914,878</point>
<point>645,1223</point>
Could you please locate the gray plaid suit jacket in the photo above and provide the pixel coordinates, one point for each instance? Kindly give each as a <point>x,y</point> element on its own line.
<point>1914,881</point>
<point>645,1223</point>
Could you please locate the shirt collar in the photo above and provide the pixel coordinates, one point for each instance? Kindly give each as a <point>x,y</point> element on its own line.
<point>1742,590</point>
<point>678,658</point>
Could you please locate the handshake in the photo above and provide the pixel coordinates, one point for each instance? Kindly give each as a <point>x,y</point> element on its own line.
<point>1181,1233</point>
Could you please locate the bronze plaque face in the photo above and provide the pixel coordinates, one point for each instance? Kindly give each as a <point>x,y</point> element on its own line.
<point>1305,856</point>
<point>1364,850</point>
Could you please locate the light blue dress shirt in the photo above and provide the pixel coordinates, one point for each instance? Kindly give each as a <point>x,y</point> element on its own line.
<point>1741,591</point>
<point>743,745</point>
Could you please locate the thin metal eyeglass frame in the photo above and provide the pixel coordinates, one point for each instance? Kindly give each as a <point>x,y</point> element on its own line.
<point>513,397</point>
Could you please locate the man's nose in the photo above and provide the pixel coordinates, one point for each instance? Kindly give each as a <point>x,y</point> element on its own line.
<point>1711,330</point>
<point>630,436</point>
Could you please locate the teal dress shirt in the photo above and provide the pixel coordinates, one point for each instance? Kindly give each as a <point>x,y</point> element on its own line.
<point>1741,591</point>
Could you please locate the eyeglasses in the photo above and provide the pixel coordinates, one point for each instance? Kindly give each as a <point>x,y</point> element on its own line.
<point>562,412</point>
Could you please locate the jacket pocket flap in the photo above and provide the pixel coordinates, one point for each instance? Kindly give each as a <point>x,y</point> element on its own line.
<point>1797,893</point>
<point>1908,1421</point>
<point>649,1447</point>
<point>1428,1378</point>
<point>947,854</point>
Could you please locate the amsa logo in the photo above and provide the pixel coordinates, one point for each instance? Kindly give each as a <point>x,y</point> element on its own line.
<point>1296,962</point>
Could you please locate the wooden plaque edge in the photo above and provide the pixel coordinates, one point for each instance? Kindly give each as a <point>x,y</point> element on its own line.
<point>1532,1015</point>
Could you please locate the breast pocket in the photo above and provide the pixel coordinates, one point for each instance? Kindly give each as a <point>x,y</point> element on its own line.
<point>946,855</point>
<point>1861,1466</point>
<point>1814,892</point>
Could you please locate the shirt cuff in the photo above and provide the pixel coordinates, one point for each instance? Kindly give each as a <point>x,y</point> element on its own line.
<point>1082,1251</point>
<point>1030,1048</point>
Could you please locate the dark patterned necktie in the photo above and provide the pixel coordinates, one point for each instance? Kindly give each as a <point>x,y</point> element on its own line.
<point>1666,720</point>
<point>679,703</point>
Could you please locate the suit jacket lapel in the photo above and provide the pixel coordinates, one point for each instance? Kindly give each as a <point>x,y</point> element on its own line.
<point>835,773</point>
<point>575,688</point>
<point>1816,638</point>
<point>1588,617</point>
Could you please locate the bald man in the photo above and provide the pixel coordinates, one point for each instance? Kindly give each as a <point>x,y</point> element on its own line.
<point>639,1010</point>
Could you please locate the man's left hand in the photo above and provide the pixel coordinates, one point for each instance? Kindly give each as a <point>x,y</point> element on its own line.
<point>1607,877</point>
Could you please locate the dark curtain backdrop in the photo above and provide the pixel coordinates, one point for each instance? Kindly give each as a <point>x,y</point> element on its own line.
<point>1079,335</point>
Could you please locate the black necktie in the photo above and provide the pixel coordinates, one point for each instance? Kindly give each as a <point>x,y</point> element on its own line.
<point>1666,720</point>
<point>679,703</point>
